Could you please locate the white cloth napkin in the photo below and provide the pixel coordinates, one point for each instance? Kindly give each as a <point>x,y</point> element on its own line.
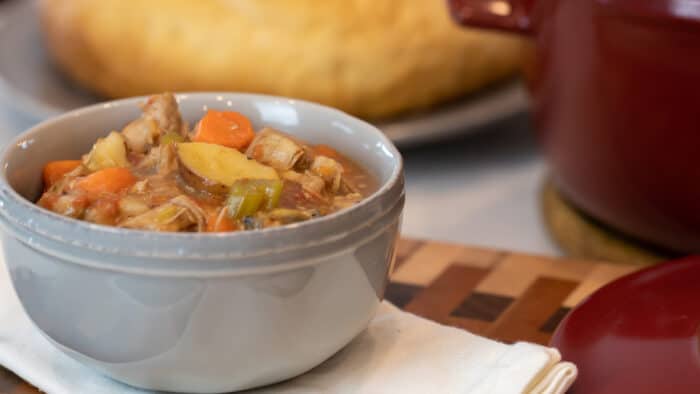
<point>398,353</point>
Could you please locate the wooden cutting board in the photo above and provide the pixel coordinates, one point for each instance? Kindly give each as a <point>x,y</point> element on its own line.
<point>501,295</point>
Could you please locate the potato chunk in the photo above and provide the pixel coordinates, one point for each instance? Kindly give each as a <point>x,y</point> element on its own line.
<point>215,168</point>
<point>107,152</point>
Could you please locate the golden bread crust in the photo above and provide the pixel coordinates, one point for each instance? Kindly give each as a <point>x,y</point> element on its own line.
<point>372,58</point>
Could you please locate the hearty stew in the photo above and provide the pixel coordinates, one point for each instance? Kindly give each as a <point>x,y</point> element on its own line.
<point>156,174</point>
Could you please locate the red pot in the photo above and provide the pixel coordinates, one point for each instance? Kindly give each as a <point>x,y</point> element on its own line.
<point>616,100</point>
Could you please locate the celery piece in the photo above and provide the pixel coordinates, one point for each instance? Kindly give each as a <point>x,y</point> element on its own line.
<point>244,199</point>
<point>165,213</point>
<point>273,191</point>
<point>171,138</point>
<point>247,196</point>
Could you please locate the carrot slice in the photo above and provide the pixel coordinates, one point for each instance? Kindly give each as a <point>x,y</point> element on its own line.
<point>226,128</point>
<point>55,170</point>
<point>218,221</point>
<point>109,180</point>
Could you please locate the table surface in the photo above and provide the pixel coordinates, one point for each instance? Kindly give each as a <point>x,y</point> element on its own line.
<point>482,189</point>
<point>502,295</point>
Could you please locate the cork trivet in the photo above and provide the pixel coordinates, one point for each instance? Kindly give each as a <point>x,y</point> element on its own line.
<point>583,237</point>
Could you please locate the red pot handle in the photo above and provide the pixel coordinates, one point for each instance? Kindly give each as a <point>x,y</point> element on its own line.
<point>509,15</point>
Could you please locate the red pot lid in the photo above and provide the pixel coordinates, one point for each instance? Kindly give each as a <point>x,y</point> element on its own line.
<point>638,334</point>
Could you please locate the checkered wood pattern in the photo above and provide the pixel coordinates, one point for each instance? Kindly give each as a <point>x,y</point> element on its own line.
<point>501,295</point>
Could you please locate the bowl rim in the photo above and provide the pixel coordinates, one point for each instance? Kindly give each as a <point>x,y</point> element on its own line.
<point>30,208</point>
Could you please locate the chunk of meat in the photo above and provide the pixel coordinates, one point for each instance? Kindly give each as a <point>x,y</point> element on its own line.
<point>275,149</point>
<point>156,189</point>
<point>167,162</point>
<point>197,211</point>
<point>140,186</point>
<point>329,170</point>
<point>161,160</point>
<point>132,206</point>
<point>178,214</point>
<point>72,205</point>
<point>347,187</point>
<point>68,181</point>
<point>282,216</point>
<point>103,211</point>
<point>304,163</point>
<point>309,182</point>
<point>292,195</point>
<point>295,197</point>
<point>163,109</point>
<point>140,134</point>
<point>346,201</point>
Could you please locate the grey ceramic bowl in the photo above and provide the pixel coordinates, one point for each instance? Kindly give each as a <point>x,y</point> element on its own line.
<point>200,312</point>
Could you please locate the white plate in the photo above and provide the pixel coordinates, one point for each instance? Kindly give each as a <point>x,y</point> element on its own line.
<point>36,89</point>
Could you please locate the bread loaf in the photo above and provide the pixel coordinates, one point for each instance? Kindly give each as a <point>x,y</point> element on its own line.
<point>372,58</point>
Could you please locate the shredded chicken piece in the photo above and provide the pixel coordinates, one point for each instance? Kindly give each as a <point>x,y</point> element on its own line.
<point>147,165</point>
<point>348,200</point>
<point>66,183</point>
<point>70,205</point>
<point>286,216</point>
<point>140,134</point>
<point>347,188</point>
<point>164,110</point>
<point>330,170</point>
<point>194,209</point>
<point>140,186</point>
<point>161,159</point>
<point>178,214</point>
<point>309,182</point>
<point>103,211</point>
<point>275,149</point>
<point>156,189</point>
<point>307,158</point>
<point>132,206</point>
<point>167,162</point>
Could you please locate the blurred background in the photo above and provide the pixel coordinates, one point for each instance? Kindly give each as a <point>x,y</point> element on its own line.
<point>451,98</point>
